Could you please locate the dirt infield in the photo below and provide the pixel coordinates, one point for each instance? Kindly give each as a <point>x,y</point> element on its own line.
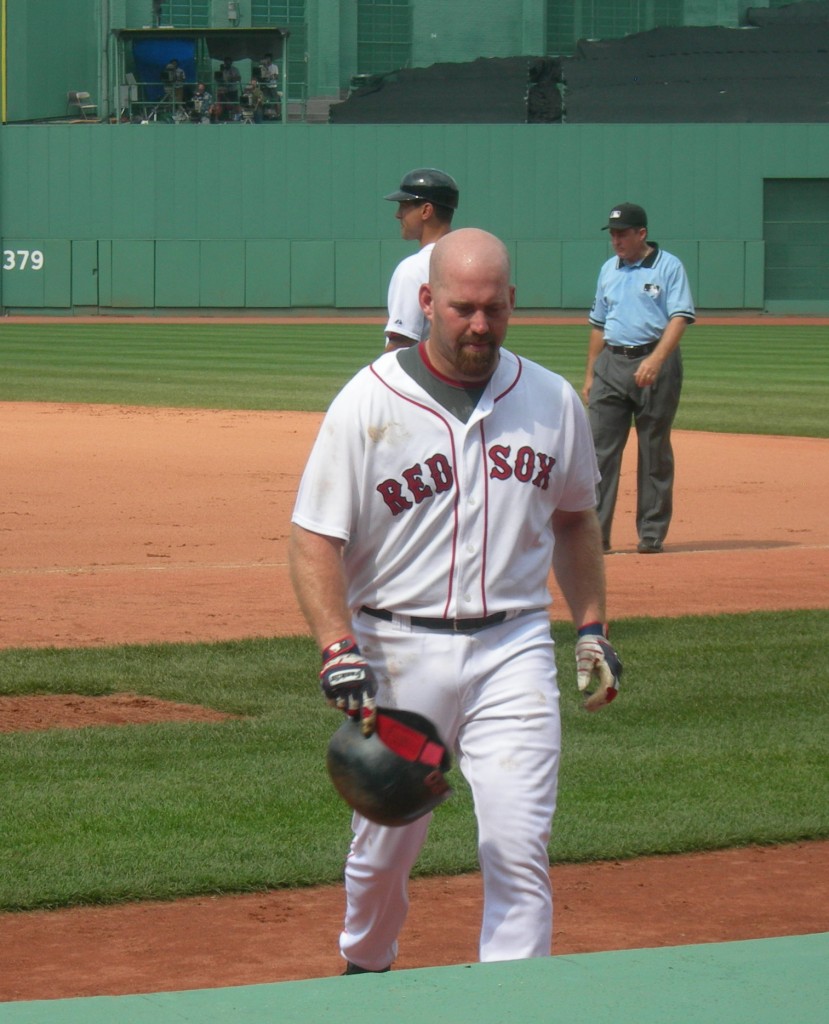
<point>132,525</point>
<point>128,525</point>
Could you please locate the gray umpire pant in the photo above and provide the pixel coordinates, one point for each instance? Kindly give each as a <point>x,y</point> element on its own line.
<point>615,403</point>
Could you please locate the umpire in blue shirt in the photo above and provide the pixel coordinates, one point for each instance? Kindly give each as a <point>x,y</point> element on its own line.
<point>634,370</point>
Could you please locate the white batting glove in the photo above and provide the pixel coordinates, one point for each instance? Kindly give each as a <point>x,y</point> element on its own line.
<point>348,682</point>
<point>596,660</point>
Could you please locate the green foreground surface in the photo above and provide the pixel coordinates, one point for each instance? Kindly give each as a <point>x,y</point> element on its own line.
<point>767,981</point>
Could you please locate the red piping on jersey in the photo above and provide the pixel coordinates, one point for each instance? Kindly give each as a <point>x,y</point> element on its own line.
<point>484,544</point>
<point>485,548</point>
<point>456,501</point>
<point>507,390</point>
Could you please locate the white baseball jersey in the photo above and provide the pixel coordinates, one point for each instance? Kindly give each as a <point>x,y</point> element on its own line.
<point>413,491</point>
<point>405,315</point>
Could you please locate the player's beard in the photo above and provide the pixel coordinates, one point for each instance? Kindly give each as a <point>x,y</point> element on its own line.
<point>476,363</point>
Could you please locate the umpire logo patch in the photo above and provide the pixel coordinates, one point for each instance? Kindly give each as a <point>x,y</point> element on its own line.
<point>654,290</point>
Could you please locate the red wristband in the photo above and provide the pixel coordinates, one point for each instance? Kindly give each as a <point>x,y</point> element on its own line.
<point>347,643</point>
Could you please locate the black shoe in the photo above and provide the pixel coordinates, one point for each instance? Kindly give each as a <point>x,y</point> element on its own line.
<point>649,547</point>
<point>354,969</point>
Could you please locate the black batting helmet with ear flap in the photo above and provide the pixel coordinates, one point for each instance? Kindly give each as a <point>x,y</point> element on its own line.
<point>430,185</point>
<point>394,776</point>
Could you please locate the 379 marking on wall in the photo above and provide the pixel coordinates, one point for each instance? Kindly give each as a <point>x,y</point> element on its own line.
<point>22,259</point>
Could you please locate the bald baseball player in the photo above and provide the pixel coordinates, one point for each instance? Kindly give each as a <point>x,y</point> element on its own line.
<point>426,203</point>
<point>446,480</point>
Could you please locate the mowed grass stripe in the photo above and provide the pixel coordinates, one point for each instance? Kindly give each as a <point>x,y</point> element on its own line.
<point>741,379</point>
<point>717,739</point>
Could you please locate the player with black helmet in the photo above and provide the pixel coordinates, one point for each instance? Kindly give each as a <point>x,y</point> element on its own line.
<point>446,481</point>
<point>427,200</point>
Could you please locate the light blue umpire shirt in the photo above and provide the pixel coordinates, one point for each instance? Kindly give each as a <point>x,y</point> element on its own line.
<point>635,301</point>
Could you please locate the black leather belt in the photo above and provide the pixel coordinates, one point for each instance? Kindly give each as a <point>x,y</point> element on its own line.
<point>633,351</point>
<point>455,625</point>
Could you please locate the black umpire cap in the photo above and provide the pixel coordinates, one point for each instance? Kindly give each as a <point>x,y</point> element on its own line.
<point>428,184</point>
<point>626,215</point>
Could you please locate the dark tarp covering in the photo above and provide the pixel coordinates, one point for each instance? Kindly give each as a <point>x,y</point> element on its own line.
<point>774,71</point>
<point>490,90</point>
<point>776,74</point>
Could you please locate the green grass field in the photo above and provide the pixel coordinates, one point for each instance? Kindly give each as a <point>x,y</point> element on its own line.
<point>719,737</point>
<point>764,380</point>
<point>718,740</point>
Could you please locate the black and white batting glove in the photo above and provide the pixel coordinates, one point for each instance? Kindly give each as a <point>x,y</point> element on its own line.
<point>348,682</point>
<point>597,662</point>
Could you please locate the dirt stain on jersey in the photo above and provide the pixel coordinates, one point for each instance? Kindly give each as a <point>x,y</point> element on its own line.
<point>391,433</point>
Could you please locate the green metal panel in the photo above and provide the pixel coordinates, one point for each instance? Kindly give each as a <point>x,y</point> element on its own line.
<point>73,190</point>
<point>57,285</point>
<point>473,30</point>
<point>36,272</point>
<point>528,182</point>
<point>69,34</point>
<point>581,262</point>
<point>260,179</point>
<point>312,274</point>
<point>688,253</point>
<point>538,266</point>
<point>307,190</point>
<point>391,253</point>
<point>177,273</point>
<point>176,196</point>
<point>222,273</point>
<point>611,19</point>
<point>267,273</point>
<point>357,274</point>
<point>84,274</point>
<point>384,36</point>
<point>24,179</point>
<point>721,275</point>
<point>795,227</point>
<point>512,250</point>
<point>797,201</point>
<point>139,166</point>
<point>133,273</point>
<point>798,307</point>
<point>790,282</point>
<point>755,254</point>
<point>105,272</point>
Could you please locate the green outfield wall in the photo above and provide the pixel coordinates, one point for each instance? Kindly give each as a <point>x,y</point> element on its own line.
<point>272,217</point>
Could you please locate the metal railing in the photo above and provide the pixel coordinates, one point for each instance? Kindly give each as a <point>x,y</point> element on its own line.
<point>176,104</point>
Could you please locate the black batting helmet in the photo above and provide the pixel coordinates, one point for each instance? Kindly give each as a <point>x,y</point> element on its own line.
<point>394,776</point>
<point>428,184</point>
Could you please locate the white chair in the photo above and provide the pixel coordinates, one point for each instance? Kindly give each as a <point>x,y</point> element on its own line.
<point>83,102</point>
<point>128,95</point>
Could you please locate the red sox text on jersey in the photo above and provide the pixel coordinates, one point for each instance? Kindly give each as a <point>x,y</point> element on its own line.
<point>526,466</point>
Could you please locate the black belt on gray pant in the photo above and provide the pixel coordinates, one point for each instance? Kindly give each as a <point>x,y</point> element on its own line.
<point>633,351</point>
<point>455,625</point>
